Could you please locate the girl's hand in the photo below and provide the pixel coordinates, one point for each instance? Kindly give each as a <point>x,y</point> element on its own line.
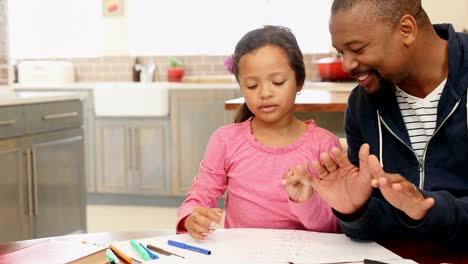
<point>297,183</point>
<point>202,221</point>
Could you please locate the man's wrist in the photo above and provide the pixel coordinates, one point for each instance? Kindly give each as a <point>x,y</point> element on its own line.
<point>353,216</point>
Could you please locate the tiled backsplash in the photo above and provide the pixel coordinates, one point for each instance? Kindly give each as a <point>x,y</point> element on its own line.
<point>120,68</point>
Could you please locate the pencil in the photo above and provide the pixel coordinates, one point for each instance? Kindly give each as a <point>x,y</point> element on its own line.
<point>120,254</point>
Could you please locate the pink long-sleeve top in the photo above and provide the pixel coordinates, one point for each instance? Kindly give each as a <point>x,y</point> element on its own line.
<point>251,173</point>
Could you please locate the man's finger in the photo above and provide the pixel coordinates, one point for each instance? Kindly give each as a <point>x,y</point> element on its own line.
<point>328,162</point>
<point>374,167</point>
<point>428,203</point>
<point>340,158</point>
<point>364,155</point>
<point>319,169</point>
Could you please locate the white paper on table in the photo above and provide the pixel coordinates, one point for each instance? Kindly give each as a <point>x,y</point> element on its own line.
<point>248,245</point>
<point>167,260</point>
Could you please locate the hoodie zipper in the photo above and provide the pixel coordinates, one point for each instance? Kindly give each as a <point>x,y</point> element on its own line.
<point>421,169</point>
<point>421,160</point>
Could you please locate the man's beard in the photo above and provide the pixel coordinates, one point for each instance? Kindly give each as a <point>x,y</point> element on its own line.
<point>382,82</point>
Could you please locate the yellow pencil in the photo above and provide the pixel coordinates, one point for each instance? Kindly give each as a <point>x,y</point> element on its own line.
<point>120,254</point>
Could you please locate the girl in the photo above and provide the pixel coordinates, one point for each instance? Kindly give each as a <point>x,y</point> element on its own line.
<point>247,159</point>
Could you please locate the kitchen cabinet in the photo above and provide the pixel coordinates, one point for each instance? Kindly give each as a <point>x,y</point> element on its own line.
<point>42,185</point>
<point>133,155</point>
<point>88,121</point>
<point>195,114</point>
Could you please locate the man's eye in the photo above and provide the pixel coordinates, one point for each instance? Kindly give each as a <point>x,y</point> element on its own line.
<point>359,50</point>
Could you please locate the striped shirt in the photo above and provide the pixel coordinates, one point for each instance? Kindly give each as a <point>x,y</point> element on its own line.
<point>420,116</point>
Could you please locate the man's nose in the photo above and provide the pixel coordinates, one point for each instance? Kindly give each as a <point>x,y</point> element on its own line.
<point>349,63</point>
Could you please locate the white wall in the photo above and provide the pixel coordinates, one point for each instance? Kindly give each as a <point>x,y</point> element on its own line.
<point>448,11</point>
<point>115,29</point>
<point>115,34</point>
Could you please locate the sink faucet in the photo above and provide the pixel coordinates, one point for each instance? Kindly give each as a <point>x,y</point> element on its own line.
<point>145,71</point>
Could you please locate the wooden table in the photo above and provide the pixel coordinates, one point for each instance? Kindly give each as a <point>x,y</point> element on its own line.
<point>421,251</point>
<point>310,100</point>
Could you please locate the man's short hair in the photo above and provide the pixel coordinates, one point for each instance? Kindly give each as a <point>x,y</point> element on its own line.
<point>387,11</point>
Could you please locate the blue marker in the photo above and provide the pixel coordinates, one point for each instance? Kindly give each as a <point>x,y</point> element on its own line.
<point>188,247</point>
<point>152,255</point>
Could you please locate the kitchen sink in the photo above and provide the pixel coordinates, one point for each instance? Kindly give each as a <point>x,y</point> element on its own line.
<point>131,99</point>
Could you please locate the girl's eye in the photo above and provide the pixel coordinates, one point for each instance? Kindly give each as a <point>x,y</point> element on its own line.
<point>278,83</point>
<point>251,86</point>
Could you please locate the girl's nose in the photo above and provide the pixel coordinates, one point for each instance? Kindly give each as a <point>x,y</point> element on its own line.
<point>265,91</point>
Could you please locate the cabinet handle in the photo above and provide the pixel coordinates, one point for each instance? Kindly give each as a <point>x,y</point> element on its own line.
<point>7,122</point>
<point>29,178</point>
<point>34,177</point>
<point>136,151</point>
<point>58,116</point>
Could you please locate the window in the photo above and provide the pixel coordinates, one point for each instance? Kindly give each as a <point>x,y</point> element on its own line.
<point>54,28</point>
<point>213,27</point>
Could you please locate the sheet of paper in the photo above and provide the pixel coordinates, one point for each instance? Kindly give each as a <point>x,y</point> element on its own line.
<point>269,246</point>
<point>50,251</point>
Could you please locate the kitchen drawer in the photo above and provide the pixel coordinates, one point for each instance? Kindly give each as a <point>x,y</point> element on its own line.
<point>11,121</point>
<point>53,116</point>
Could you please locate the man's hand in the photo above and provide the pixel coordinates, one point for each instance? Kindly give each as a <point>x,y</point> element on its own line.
<point>399,192</point>
<point>202,221</point>
<point>344,186</point>
<point>297,183</point>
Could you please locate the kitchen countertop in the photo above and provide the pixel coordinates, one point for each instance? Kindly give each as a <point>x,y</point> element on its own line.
<point>36,100</point>
<point>320,97</point>
<point>133,99</point>
<point>171,85</point>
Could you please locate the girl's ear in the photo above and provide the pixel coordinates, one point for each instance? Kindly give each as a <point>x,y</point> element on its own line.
<point>299,89</point>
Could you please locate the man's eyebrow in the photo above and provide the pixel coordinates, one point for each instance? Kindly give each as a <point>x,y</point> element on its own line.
<point>351,42</point>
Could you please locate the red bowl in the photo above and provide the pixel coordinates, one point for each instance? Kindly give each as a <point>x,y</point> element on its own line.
<point>330,69</point>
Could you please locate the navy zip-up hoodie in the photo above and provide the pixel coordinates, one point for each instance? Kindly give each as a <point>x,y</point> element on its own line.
<point>441,174</point>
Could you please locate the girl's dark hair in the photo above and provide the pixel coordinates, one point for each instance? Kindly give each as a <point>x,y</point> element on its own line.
<point>278,36</point>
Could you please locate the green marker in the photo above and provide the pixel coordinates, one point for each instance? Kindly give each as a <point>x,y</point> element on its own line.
<point>111,256</point>
<point>141,251</point>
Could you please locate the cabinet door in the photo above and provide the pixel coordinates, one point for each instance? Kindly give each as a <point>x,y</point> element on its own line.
<point>195,115</point>
<point>113,156</point>
<point>151,156</point>
<point>14,196</point>
<point>133,156</point>
<point>58,183</point>
<point>88,122</point>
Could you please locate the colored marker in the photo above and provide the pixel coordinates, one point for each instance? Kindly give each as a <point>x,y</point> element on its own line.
<point>120,254</point>
<point>188,247</point>
<point>143,254</point>
<point>162,251</point>
<point>152,255</point>
<point>111,256</point>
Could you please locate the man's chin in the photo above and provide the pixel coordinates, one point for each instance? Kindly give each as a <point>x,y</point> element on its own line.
<point>372,88</point>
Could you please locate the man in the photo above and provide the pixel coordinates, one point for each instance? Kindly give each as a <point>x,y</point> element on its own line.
<point>410,112</point>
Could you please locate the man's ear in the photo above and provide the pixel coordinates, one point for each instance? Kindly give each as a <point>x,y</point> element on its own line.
<point>408,28</point>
